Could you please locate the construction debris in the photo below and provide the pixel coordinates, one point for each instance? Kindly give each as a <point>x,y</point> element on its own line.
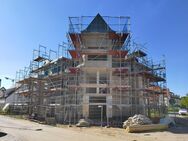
<point>141,123</point>
<point>137,120</point>
<point>83,123</point>
<point>143,128</point>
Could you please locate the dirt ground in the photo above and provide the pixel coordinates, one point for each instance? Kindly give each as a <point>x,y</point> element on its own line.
<point>23,130</point>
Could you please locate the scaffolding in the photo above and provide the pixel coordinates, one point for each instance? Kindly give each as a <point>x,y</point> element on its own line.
<point>100,66</point>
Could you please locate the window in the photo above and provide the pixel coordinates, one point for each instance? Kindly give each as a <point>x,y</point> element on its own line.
<point>135,100</point>
<point>97,99</point>
<point>118,64</point>
<point>96,47</point>
<point>103,79</point>
<point>91,90</point>
<point>91,78</point>
<point>97,57</point>
<point>104,90</point>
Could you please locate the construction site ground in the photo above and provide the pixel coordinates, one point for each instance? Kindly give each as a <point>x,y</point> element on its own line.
<point>24,130</point>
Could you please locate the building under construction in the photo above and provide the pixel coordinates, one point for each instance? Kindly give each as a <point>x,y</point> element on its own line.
<point>99,72</point>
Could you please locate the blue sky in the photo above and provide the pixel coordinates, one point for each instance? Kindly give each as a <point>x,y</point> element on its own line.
<point>162,24</point>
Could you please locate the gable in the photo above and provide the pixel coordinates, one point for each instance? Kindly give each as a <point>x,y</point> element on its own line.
<point>98,24</point>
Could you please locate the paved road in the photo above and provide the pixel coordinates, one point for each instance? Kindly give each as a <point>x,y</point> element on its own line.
<point>23,130</point>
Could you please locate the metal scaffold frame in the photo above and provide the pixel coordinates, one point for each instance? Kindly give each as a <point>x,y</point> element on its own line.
<point>100,66</point>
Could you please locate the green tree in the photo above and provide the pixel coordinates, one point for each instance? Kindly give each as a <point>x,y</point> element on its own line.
<point>184,102</point>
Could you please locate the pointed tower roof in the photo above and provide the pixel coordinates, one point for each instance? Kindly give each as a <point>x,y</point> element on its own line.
<point>98,24</point>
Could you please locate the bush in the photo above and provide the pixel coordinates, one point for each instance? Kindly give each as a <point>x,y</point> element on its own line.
<point>184,102</point>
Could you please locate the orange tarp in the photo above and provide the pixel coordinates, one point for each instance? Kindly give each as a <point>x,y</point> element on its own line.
<point>74,54</point>
<point>119,53</point>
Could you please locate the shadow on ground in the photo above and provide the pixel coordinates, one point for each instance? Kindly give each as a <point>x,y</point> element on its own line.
<point>2,134</point>
<point>179,130</point>
<point>182,125</point>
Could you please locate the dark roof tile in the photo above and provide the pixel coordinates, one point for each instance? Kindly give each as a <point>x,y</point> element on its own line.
<point>98,24</point>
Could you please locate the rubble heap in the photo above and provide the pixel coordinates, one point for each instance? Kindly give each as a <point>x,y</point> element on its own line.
<point>83,123</point>
<point>137,120</point>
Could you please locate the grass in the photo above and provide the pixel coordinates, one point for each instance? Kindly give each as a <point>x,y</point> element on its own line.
<point>183,116</point>
<point>173,108</point>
